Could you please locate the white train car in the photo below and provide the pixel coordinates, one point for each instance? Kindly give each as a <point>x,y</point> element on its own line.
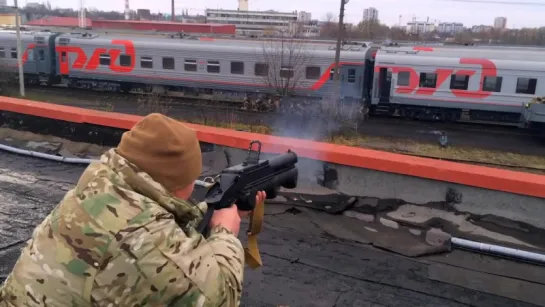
<point>445,82</point>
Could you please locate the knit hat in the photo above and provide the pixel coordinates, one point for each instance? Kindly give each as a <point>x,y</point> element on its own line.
<point>166,149</point>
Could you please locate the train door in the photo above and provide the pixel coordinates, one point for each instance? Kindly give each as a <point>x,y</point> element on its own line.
<point>349,82</point>
<point>385,84</point>
<point>63,63</point>
<point>42,66</point>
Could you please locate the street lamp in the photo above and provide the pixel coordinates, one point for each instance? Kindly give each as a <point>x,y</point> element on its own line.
<point>19,50</point>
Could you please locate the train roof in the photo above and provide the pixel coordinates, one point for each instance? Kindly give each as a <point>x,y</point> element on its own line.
<point>224,45</point>
<point>515,53</point>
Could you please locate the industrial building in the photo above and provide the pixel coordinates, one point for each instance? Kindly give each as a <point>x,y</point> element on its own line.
<point>164,26</point>
<point>135,25</point>
<point>264,23</point>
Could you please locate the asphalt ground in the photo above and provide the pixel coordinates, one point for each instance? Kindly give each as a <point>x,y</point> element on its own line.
<point>303,265</point>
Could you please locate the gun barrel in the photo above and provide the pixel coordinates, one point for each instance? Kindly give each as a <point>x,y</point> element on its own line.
<point>283,160</point>
<point>287,179</point>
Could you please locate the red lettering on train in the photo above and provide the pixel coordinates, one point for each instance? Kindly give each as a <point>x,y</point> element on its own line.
<point>64,51</point>
<point>488,69</point>
<point>418,48</point>
<point>413,80</point>
<point>442,76</point>
<point>81,59</point>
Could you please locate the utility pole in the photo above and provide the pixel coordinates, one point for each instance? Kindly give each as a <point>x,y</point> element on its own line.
<point>19,50</point>
<point>338,50</point>
<point>173,12</point>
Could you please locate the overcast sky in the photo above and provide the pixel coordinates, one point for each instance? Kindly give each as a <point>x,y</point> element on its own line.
<point>527,13</point>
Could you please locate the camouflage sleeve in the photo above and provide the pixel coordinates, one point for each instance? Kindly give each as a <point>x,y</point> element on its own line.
<point>160,264</point>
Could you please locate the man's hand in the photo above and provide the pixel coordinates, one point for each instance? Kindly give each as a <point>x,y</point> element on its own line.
<point>259,198</point>
<point>230,217</point>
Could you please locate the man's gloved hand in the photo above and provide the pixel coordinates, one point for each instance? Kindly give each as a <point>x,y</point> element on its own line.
<point>230,217</point>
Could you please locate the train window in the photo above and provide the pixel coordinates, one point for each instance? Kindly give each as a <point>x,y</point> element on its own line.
<point>313,72</point>
<point>2,53</point>
<point>352,75</point>
<point>403,78</point>
<point>526,86</point>
<point>492,84</point>
<point>14,53</point>
<point>459,82</point>
<point>63,56</point>
<point>428,79</point>
<point>125,60</point>
<point>261,69</point>
<point>213,67</point>
<point>286,71</point>
<point>41,55</point>
<point>190,65</point>
<point>237,68</point>
<point>104,59</point>
<point>168,63</point>
<point>146,62</point>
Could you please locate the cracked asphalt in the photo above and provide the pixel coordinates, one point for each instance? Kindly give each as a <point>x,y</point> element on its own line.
<point>302,265</point>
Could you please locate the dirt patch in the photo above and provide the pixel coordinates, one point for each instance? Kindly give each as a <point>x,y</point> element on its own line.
<point>500,159</point>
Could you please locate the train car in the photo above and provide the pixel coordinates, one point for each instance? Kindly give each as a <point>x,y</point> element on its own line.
<point>534,117</point>
<point>38,55</point>
<point>237,67</point>
<point>444,83</point>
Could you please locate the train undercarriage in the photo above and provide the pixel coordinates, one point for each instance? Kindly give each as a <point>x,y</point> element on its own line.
<point>414,112</point>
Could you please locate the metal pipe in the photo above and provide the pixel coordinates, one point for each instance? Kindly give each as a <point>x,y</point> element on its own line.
<point>19,50</point>
<point>498,250</point>
<point>206,183</point>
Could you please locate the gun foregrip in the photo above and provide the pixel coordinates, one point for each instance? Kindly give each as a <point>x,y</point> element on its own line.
<point>247,202</point>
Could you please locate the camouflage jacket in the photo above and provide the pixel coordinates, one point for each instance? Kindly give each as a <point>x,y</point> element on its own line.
<point>116,240</point>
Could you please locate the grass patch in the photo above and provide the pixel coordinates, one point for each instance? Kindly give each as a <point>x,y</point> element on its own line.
<point>411,147</point>
<point>261,129</point>
<point>464,154</point>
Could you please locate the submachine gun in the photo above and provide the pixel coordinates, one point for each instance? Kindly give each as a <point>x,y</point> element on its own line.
<point>239,185</point>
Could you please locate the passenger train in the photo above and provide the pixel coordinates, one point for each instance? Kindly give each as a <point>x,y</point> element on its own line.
<point>444,83</point>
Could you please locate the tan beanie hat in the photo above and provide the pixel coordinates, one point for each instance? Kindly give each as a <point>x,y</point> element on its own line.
<point>166,149</point>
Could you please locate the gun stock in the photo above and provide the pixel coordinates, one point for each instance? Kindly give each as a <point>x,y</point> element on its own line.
<point>239,185</point>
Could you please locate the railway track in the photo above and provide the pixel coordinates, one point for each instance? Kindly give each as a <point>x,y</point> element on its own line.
<point>103,98</point>
<point>474,136</point>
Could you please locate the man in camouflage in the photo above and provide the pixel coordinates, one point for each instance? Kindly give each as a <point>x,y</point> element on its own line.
<point>125,235</point>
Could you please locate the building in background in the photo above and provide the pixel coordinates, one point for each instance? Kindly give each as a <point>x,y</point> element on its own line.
<point>481,28</point>
<point>260,23</point>
<point>3,3</point>
<point>8,19</point>
<point>370,14</point>
<point>143,14</point>
<point>450,27</point>
<point>500,23</point>
<point>242,5</point>
<point>305,17</point>
<point>420,27</point>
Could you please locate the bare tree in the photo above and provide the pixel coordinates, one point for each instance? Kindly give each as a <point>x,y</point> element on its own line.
<point>286,62</point>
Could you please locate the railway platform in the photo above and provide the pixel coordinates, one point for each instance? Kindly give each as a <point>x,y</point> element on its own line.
<point>362,229</point>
